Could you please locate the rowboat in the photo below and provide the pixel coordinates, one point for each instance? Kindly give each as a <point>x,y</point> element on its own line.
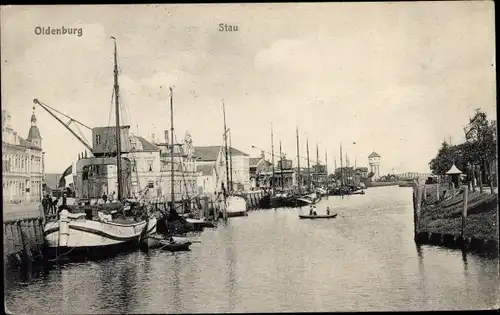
<point>320,216</point>
<point>163,242</point>
<point>176,246</point>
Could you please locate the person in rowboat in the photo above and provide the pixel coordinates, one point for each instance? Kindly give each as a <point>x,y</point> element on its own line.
<point>311,210</point>
<point>328,210</point>
<point>314,210</point>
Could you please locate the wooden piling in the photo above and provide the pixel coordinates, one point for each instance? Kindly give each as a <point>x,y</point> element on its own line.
<point>464,212</point>
<point>418,202</point>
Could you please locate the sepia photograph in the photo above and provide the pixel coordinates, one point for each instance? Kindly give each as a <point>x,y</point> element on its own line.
<point>249,157</point>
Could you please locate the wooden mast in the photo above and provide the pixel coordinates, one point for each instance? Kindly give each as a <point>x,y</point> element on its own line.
<point>298,160</point>
<point>341,168</point>
<point>230,163</point>
<point>272,158</point>
<point>172,190</point>
<point>308,166</point>
<point>326,164</point>
<point>317,164</point>
<point>118,131</point>
<point>281,170</point>
<point>225,145</point>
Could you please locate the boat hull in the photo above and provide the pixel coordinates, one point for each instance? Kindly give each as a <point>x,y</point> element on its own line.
<point>237,214</point>
<point>312,217</point>
<point>236,206</point>
<point>74,234</point>
<point>177,247</point>
<point>160,241</point>
<point>65,253</point>
<point>200,224</point>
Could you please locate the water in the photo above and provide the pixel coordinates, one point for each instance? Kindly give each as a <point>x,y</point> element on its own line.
<point>270,261</point>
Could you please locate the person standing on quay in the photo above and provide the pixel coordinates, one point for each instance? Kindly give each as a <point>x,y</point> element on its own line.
<point>45,204</point>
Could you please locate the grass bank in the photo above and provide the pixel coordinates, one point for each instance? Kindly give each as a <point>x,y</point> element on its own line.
<point>446,216</point>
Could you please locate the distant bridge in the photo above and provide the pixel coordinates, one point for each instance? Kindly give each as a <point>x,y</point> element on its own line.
<point>412,175</point>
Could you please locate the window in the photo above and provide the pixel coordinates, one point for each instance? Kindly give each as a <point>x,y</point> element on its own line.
<point>151,185</point>
<point>98,139</point>
<point>150,165</point>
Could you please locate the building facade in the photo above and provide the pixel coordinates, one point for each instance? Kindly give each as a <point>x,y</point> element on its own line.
<point>22,162</point>
<point>215,157</point>
<point>151,171</point>
<point>284,175</point>
<point>260,172</point>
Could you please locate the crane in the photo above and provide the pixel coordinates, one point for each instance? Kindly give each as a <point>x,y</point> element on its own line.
<point>66,125</point>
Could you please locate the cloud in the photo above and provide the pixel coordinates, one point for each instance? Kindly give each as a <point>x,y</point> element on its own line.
<point>395,78</point>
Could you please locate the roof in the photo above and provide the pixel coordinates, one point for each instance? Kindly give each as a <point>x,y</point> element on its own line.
<point>22,144</point>
<point>374,154</point>
<point>34,133</point>
<point>254,161</point>
<point>453,170</point>
<point>205,169</point>
<point>362,169</point>
<point>144,145</point>
<point>210,153</point>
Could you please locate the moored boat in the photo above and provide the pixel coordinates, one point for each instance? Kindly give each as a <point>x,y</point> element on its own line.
<point>177,247</point>
<point>236,206</point>
<point>97,227</point>
<point>308,199</point>
<point>170,243</point>
<point>77,235</point>
<point>199,224</point>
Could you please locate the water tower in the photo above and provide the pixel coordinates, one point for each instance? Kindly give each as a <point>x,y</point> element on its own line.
<point>374,161</point>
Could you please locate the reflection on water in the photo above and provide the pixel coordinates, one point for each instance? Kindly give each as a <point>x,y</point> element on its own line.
<point>271,261</point>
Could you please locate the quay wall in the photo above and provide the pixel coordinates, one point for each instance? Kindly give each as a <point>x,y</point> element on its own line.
<point>458,218</point>
<point>23,241</point>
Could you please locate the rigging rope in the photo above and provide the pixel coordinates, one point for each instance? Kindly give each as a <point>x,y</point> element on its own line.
<point>106,140</point>
<point>182,166</point>
<point>82,135</point>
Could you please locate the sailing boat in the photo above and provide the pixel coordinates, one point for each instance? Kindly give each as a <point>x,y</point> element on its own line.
<point>307,198</point>
<point>235,205</point>
<point>160,238</point>
<point>102,229</point>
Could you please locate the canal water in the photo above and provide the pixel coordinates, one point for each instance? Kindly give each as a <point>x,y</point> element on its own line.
<point>270,261</point>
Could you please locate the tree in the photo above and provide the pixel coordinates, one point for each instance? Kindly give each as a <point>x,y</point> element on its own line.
<point>481,134</point>
<point>478,151</point>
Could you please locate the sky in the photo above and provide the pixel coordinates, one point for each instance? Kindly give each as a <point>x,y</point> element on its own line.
<point>395,78</point>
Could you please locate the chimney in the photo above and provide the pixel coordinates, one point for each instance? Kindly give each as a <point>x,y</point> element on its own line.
<point>262,155</point>
<point>166,136</point>
<point>153,138</point>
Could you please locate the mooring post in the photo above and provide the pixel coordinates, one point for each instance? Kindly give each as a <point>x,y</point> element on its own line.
<point>464,213</point>
<point>415,188</point>
<point>418,208</point>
